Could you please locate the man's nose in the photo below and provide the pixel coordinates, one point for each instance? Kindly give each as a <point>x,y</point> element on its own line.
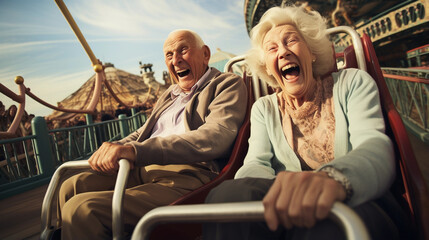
<point>177,59</point>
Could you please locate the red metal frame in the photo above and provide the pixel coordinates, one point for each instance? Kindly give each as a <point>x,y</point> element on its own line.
<point>409,185</point>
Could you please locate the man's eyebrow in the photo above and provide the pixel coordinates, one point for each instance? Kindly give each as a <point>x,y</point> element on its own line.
<point>167,52</point>
<point>182,44</point>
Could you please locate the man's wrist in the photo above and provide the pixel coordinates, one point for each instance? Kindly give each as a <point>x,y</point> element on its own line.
<point>129,153</point>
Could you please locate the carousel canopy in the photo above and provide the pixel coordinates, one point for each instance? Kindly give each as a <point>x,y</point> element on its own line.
<point>131,89</point>
<point>219,59</point>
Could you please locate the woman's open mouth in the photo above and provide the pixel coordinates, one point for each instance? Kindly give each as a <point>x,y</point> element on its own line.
<point>183,73</point>
<point>290,71</point>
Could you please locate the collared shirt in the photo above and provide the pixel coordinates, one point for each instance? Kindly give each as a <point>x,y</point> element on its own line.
<point>171,120</point>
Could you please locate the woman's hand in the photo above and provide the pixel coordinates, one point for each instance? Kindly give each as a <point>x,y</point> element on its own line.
<point>106,158</point>
<point>300,199</point>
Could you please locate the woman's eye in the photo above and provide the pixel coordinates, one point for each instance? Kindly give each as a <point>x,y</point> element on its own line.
<point>270,49</point>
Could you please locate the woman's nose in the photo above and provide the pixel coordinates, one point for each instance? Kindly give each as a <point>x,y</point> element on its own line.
<point>283,51</point>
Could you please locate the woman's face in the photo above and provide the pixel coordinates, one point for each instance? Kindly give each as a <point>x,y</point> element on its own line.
<point>289,60</point>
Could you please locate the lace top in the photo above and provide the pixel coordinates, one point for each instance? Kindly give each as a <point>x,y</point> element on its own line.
<point>310,128</point>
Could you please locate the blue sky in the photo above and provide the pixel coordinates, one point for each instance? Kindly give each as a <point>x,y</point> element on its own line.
<point>37,43</point>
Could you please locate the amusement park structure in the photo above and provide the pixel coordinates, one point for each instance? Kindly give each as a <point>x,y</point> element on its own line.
<point>91,96</point>
<point>397,29</point>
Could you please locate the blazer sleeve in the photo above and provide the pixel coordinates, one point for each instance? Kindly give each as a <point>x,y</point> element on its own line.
<point>220,107</point>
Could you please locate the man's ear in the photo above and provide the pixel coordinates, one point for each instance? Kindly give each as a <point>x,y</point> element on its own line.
<point>206,52</point>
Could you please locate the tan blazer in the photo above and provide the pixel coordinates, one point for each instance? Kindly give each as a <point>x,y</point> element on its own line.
<point>212,119</point>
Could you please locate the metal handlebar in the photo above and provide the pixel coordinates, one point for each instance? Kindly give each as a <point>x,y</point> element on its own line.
<point>353,226</point>
<point>117,201</point>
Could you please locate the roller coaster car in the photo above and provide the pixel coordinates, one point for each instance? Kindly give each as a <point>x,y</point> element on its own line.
<point>409,187</point>
<point>235,161</point>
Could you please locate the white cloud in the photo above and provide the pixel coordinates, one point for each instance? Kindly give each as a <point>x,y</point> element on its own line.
<point>14,29</point>
<point>7,49</point>
<point>143,18</point>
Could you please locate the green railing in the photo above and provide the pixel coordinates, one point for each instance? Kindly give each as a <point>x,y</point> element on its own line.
<point>29,162</point>
<point>409,89</point>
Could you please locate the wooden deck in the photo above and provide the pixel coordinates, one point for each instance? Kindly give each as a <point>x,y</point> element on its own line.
<point>20,214</point>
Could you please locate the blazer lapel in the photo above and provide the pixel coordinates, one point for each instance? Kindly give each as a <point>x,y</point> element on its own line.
<point>164,103</point>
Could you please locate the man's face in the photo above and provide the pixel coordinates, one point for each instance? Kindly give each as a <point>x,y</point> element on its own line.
<point>186,61</point>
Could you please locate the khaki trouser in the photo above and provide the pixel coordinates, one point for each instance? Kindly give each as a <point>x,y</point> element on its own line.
<point>85,200</point>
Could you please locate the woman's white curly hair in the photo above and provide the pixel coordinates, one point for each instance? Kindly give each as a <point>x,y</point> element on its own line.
<point>312,27</point>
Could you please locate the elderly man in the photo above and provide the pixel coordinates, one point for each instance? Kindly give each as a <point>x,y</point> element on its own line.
<point>181,146</point>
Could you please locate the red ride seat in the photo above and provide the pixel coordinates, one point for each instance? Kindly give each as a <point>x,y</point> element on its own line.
<point>409,187</point>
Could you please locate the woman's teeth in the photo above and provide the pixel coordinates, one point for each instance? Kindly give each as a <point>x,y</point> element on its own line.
<point>290,70</point>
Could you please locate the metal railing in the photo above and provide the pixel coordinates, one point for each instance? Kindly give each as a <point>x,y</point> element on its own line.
<point>29,162</point>
<point>409,89</point>
<point>17,159</point>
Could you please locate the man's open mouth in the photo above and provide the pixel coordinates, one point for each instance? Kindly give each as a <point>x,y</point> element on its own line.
<point>183,73</point>
<point>290,71</point>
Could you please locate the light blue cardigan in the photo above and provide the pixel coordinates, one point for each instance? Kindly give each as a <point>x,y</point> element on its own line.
<point>363,152</point>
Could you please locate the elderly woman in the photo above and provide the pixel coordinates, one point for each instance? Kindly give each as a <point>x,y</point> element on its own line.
<point>318,140</point>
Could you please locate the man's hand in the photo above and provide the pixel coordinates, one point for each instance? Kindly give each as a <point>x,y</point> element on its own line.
<point>300,199</point>
<point>106,158</point>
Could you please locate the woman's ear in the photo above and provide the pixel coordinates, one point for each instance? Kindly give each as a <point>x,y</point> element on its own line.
<point>268,70</point>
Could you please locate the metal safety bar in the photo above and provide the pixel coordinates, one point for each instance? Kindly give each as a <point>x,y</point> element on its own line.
<point>357,44</point>
<point>117,201</point>
<point>232,61</point>
<point>351,223</point>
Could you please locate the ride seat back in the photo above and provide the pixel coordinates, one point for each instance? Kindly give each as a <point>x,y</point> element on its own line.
<point>409,187</point>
